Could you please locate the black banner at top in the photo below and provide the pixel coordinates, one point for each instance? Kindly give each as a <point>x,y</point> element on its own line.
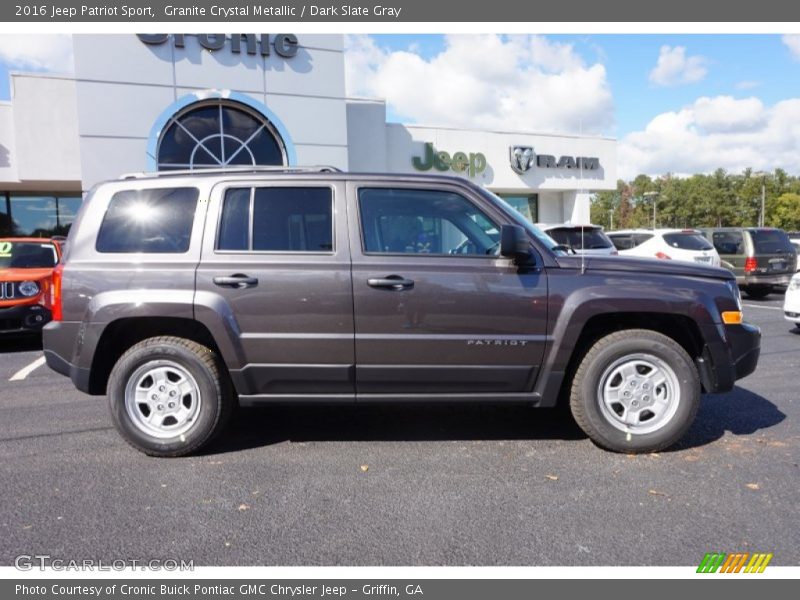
<point>234,11</point>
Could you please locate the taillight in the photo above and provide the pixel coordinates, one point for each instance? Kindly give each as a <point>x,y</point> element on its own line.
<point>55,294</point>
<point>662,255</point>
<point>749,265</point>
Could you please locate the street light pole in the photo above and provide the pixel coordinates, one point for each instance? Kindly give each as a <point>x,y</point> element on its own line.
<point>763,195</point>
<point>654,196</point>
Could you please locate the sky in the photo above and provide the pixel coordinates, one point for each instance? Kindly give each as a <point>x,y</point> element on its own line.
<point>677,104</point>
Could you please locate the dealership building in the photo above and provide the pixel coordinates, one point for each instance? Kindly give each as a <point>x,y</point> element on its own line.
<point>162,102</point>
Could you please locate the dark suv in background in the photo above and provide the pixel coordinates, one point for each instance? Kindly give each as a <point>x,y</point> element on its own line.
<point>762,258</point>
<point>183,294</point>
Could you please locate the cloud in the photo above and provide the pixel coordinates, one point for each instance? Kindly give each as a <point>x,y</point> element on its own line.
<point>793,43</point>
<point>710,133</point>
<point>522,83</point>
<point>748,85</point>
<point>675,68</point>
<point>34,52</point>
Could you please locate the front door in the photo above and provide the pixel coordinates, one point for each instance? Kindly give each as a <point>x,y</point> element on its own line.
<point>437,310</point>
<point>276,269</point>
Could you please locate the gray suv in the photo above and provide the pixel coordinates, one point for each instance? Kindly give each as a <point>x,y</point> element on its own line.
<point>183,295</point>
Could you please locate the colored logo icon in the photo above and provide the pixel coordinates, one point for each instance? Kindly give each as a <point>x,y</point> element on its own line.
<point>743,562</point>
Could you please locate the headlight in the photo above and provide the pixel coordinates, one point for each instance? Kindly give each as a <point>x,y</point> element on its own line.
<point>28,288</point>
<point>737,294</point>
<point>794,284</point>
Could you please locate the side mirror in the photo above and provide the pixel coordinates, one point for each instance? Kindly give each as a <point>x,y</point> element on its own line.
<point>514,242</point>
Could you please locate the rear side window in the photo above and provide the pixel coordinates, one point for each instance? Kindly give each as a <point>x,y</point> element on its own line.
<point>588,238</point>
<point>728,242</point>
<point>622,242</point>
<point>687,241</point>
<point>771,241</point>
<point>149,221</point>
<point>277,219</point>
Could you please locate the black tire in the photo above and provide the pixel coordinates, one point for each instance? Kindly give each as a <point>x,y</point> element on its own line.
<point>611,350</point>
<point>216,404</point>
<point>758,291</point>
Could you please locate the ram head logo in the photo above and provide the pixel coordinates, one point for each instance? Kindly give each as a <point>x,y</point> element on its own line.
<point>521,158</point>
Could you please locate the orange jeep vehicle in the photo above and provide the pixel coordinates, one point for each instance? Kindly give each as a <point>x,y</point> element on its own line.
<point>26,272</point>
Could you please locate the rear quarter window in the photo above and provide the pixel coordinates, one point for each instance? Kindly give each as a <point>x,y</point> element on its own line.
<point>157,220</point>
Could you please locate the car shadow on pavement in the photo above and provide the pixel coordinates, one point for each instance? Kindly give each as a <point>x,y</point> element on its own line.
<point>20,343</point>
<point>262,426</point>
<point>741,412</point>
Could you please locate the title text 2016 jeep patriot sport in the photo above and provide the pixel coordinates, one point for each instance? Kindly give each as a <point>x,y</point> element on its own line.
<point>181,294</point>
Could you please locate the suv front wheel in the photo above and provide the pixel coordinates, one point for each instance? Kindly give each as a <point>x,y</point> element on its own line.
<point>169,396</point>
<point>635,391</point>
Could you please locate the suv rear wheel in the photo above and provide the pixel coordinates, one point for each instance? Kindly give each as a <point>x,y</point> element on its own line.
<point>635,391</point>
<point>169,396</point>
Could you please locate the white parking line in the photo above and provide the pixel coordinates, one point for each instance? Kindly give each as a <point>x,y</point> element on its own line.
<point>24,372</point>
<point>762,306</point>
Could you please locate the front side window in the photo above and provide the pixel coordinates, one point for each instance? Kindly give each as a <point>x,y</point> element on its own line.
<point>157,220</point>
<point>409,221</point>
<point>284,219</point>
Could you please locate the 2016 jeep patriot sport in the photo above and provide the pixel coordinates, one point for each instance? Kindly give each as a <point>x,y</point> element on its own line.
<point>181,294</point>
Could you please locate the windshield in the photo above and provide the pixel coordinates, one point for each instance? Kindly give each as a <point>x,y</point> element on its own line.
<point>586,238</point>
<point>687,240</point>
<point>523,222</point>
<point>27,255</point>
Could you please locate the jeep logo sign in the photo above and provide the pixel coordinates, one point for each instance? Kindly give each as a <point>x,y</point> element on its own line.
<point>473,163</point>
<point>522,158</point>
<point>285,44</point>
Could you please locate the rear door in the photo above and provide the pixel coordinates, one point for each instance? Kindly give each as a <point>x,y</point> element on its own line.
<point>276,268</point>
<point>437,311</point>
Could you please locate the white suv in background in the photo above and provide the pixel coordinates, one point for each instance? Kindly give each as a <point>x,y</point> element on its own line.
<point>688,245</point>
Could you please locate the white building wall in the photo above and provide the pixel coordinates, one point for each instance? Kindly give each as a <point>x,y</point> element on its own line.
<point>123,86</point>
<point>8,152</point>
<point>44,132</point>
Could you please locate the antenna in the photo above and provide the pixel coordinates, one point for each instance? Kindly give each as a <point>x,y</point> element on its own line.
<point>583,239</point>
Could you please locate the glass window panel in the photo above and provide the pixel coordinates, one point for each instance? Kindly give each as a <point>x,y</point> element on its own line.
<point>293,219</point>
<point>34,216</point>
<point>234,223</point>
<point>150,220</point>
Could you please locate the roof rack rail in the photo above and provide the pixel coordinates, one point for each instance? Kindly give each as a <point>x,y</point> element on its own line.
<point>234,170</point>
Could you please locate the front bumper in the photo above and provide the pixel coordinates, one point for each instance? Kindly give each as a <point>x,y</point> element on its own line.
<point>733,357</point>
<point>23,318</point>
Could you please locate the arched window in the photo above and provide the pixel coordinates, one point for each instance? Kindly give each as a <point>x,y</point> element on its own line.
<point>218,133</point>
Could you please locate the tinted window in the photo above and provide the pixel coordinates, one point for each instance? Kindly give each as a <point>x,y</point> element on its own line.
<point>687,241</point>
<point>622,241</point>
<point>641,238</point>
<point>728,242</point>
<point>404,221</point>
<point>293,219</point>
<point>153,220</point>
<point>234,224</point>
<point>585,238</point>
<point>27,255</point>
<point>770,241</point>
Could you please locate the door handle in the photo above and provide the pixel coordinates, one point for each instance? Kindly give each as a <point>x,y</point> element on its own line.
<point>237,281</point>
<point>391,282</point>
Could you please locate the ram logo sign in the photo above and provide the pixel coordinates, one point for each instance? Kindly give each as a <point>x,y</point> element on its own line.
<point>523,158</point>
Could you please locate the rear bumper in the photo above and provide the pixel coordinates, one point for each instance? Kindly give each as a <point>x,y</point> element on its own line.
<point>26,317</point>
<point>59,340</point>
<point>733,357</point>
<point>755,279</point>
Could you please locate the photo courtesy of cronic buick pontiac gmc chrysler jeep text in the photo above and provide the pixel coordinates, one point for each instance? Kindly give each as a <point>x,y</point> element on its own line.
<point>183,294</point>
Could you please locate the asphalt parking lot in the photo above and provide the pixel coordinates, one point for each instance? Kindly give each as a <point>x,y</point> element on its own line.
<point>446,485</point>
